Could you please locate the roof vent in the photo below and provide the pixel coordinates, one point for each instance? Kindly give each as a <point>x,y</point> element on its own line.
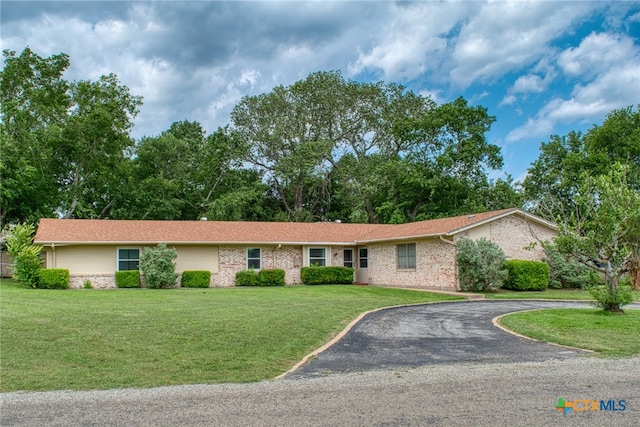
<point>471,216</point>
<point>338,221</point>
<point>204,218</point>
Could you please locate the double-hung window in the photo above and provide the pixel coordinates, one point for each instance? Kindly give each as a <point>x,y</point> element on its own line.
<point>128,259</point>
<point>347,256</point>
<point>254,259</point>
<point>363,258</point>
<point>317,257</point>
<point>407,256</point>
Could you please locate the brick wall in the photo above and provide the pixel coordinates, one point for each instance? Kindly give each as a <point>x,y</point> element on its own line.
<point>435,266</point>
<point>513,234</point>
<point>234,258</point>
<point>98,281</point>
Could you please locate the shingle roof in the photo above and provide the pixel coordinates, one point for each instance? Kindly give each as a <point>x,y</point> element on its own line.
<point>82,231</point>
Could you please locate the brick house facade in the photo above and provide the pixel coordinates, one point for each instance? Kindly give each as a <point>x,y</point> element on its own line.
<point>420,254</point>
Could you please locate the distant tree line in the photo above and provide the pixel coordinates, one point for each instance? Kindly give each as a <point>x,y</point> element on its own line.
<point>324,148</point>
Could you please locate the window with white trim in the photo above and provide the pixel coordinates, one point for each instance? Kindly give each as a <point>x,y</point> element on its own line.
<point>317,257</point>
<point>347,257</point>
<point>254,259</point>
<point>128,259</point>
<point>363,258</point>
<point>406,256</point>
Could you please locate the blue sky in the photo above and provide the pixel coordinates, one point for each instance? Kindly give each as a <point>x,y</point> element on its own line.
<point>541,67</point>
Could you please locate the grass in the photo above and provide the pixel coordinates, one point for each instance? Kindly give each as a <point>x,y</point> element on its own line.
<point>102,339</point>
<point>553,294</point>
<point>608,334</point>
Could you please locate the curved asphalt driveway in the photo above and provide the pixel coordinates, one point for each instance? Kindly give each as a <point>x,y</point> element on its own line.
<point>431,334</point>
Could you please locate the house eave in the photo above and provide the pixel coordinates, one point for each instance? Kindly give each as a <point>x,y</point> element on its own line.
<point>187,242</point>
<point>401,238</point>
<point>527,216</point>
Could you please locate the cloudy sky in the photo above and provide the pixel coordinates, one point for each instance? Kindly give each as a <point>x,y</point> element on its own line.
<point>541,67</point>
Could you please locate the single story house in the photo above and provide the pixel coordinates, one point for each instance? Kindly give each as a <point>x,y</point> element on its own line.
<point>418,254</point>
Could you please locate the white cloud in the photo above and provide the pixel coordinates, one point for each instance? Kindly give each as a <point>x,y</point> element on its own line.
<point>412,41</point>
<point>597,53</point>
<point>508,100</point>
<point>530,83</point>
<point>609,70</point>
<point>508,36</point>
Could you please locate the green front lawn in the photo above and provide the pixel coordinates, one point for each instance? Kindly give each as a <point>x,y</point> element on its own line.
<point>557,294</point>
<point>100,339</point>
<point>608,334</point>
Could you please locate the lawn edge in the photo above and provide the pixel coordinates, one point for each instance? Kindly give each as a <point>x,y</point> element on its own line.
<point>496,323</point>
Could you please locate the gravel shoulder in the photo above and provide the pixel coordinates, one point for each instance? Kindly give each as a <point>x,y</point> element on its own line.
<point>496,394</point>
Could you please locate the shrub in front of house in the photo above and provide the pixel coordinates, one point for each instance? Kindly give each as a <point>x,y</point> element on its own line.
<point>195,279</point>
<point>128,279</point>
<point>612,300</point>
<point>53,278</point>
<point>480,265</point>
<point>326,275</point>
<point>566,272</point>
<point>271,277</point>
<point>247,278</point>
<point>25,256</point>
<point>527,275</point>
<point>158,267</point>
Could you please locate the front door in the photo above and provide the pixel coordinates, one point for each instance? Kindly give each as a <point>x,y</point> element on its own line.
<point>362,273</point>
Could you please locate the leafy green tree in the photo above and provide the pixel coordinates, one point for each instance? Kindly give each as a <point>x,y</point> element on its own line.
<point>158,268</point>
<point>300,134</point>
<point>288,133</point>
<point>93,146</point>
<point>554,181</point>
<point>602,232</point>
<point>25,256</point>
<point>443,171</point>
<point>481,265</point>
<point>33,108</point>
<point>63,144</point>
<point>566,272</point>
<point>182,172</point>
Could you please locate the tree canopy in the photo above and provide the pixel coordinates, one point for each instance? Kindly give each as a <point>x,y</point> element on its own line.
<point>323,148</point>
<point>63,143</point>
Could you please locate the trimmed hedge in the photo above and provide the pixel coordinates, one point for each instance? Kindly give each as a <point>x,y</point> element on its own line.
<point>527,275</point>
<point>53,278</point>
<point>271,277</point>
<point>195,279</point>
<point>264,277</point>
<point>128,279</point>
<point>326,275</point>
<point>247,278</point>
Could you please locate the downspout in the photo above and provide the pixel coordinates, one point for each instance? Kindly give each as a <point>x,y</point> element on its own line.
<point>451,242</point>
<point>274,255</point>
